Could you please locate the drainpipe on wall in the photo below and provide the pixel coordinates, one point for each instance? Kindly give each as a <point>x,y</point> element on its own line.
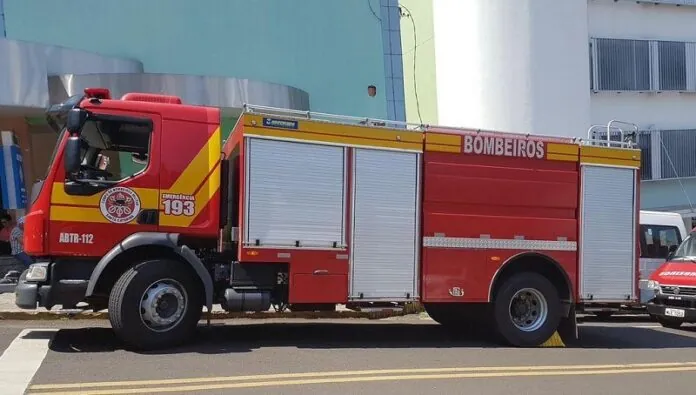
<point>2,19</point>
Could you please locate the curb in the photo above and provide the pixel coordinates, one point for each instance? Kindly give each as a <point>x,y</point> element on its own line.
<point>409,309</point>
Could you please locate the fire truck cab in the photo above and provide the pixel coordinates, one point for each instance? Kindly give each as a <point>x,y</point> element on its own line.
<point>149,210</point>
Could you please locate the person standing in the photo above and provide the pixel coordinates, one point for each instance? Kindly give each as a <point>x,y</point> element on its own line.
<point>7,225</point>
<point>17,243</point>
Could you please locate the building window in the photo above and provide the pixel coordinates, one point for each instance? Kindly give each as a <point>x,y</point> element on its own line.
<point>622,65</point>
<point>677,156</point>
<point>667,154</point>
<point>642,65</point>
<point>672,65</point>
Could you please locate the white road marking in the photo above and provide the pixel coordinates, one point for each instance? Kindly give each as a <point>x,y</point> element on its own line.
<point>22,359</point>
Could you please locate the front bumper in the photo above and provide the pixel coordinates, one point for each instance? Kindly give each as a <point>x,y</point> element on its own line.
<point>686,314</point>
<point>31,294</point>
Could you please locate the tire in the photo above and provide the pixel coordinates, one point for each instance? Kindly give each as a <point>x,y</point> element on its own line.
<point>669,322</point>
<point>541,328</point>
<point>125,306</point>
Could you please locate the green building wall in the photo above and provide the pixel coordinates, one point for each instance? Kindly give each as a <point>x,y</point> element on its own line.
<point>420,108</point>
<point>333,49</point>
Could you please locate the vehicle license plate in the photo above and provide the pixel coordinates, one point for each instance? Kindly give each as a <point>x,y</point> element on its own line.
<point>674,312</point>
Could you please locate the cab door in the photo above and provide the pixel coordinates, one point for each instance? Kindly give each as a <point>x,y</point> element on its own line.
<point>118,192</point>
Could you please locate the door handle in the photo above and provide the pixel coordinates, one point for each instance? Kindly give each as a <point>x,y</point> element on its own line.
<point>149,217</point>
<point>321,271</point>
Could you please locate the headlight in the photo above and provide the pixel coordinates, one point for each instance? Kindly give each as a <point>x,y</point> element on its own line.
<point>37,272</point>
<point>649,285</point>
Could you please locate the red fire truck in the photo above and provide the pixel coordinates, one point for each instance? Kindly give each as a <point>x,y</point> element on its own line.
<point>511,231</point>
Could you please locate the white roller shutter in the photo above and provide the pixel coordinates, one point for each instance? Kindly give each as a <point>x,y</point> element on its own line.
<point>295,192</point>
<point>608,233</point>
<point>385,212</point>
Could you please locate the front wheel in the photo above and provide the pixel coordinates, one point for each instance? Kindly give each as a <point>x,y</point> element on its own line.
<point>155,304</point>
<point>527,310</point>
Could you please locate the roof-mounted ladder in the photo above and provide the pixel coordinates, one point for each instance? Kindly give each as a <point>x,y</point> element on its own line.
<point>627,139</point>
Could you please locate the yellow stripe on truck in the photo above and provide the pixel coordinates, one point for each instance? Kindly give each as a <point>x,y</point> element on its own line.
<point>149,197</point>
<point>443,142</point>
<point>207,160</point>
<point>198,169</point>
<point>78,214</point>
<point>610,156</point>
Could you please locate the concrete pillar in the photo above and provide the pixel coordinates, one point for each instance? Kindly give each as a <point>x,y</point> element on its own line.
<point>514,66</point>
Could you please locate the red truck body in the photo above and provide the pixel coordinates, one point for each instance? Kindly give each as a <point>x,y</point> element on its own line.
<point>324,210</point>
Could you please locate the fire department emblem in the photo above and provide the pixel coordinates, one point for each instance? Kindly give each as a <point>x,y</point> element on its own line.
<point>119,205</point>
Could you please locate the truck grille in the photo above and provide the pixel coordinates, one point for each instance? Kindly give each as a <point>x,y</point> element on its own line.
<point>678,291</point>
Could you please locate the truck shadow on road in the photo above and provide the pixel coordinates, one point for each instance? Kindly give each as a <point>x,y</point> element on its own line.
<point>241,338</point>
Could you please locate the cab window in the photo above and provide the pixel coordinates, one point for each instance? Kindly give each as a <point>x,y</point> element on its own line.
<point>655,240</point>
<point>114,151</point>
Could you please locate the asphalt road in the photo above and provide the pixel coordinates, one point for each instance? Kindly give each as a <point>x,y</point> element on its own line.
<point>397,356</point>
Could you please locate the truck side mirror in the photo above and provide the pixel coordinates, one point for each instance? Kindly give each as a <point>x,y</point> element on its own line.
<point>76,120</point>
<point>140,159</point>
<point>71,156</point>
<point>670,252</point>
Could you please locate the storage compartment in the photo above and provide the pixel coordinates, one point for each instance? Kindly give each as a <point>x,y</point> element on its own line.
<point>319,288</point>
<point>295,194</point>
<point>608,249</point>
<point>385,225</point>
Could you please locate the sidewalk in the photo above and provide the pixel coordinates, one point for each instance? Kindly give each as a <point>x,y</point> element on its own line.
<point>9,311</point>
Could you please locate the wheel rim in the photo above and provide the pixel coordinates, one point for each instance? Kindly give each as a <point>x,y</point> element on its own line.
<point>528,309</point>
<point>163,304</point>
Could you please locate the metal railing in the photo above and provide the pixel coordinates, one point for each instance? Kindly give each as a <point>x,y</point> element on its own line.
<point>603,134</point>
<point>626,139</point>
<point>665,154</point>
<point>325,117</point>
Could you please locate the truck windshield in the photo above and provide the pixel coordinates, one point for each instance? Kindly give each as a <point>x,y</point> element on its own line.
<point>686,250</point>
<point>55,117</point>
<point>38,185</point>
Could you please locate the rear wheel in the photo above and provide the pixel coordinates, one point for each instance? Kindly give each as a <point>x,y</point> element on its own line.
<point>155,304</point>
<point>527,310</point>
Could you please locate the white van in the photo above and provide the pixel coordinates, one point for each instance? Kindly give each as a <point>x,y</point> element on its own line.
<point>658,231</point>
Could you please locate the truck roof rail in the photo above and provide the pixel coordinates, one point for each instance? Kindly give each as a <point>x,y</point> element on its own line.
<point>325,117</point>
<point>351,120</point>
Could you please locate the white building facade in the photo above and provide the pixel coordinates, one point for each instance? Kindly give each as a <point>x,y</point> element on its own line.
<point>560,66</point>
